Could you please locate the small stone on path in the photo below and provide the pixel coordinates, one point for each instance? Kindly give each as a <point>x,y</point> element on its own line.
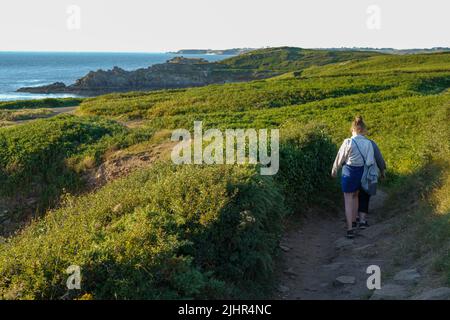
<point>343,280</point>
<point>283,289</point>
<point>408,276</point>
<point>290,272</point>
<point>367,246</point>
<point>343,243</point>
<point>390,292</point>
<point>333,266</point>
<point>442,293</point>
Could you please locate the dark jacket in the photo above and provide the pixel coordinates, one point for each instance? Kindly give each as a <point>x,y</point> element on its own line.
<point>381,164</point>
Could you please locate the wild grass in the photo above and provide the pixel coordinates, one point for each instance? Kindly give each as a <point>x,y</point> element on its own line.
<point>40,158</point>
<point>41,103</point>
<point>165,232</point>
<point>24,114</point>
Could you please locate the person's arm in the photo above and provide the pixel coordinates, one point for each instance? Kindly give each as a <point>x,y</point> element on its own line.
<point>341,157</point>
<point>379,158</point>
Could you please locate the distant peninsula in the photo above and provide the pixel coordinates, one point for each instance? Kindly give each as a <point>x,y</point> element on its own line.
<point>231,52</point>
<point>393,50</point>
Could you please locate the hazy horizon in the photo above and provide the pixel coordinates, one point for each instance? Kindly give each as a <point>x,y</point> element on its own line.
<point>162,26</point>
<point>192,48</point>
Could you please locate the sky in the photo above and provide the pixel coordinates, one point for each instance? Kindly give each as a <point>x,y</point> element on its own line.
<point>166,25</point>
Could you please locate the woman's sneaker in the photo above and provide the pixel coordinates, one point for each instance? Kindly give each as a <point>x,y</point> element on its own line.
<point>350,234</point>
<point>363,225</point>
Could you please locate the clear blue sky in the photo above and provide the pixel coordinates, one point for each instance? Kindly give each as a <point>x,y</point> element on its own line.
<point>161,25</point>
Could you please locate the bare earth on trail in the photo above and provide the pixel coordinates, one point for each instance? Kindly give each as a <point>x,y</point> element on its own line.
<point>122,163</point>
<point>318,262</point>
<point>55,112</point>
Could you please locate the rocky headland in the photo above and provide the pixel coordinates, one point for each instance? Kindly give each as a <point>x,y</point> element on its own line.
<point>179,72</point>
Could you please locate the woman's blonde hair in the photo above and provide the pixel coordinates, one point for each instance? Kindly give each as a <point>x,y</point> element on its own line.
<point>359,126</point>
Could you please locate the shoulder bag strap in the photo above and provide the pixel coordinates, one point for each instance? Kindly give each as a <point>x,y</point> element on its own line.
<point>364,159</point>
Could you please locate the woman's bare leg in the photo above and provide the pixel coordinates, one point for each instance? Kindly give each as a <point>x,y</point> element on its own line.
<point>349,203</point>
<point>355,206</point>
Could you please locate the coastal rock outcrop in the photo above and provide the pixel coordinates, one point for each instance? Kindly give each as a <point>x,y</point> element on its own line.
<point>56,87</point>
<point>178,72</point>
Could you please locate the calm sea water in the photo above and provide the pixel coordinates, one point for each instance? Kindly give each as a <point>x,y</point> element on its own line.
<point>28,69</point>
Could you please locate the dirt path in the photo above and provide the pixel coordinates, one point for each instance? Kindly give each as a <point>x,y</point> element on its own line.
<point>56,111</point>
<point>63,110</point>
<point>316,254</point>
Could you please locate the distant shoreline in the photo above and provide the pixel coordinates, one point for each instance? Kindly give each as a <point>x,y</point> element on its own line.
<point>231,52</point>
<point>34,69</point>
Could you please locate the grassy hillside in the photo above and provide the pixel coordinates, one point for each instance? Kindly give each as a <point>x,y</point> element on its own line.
<point>42,103</point>
<point>397,105</point>
<point>292,59</point>
<point>203,231</point>
<point>41,159</point>
<point>420,63</point>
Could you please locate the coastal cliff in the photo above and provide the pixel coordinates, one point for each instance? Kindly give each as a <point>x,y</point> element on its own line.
<point>178,72</point>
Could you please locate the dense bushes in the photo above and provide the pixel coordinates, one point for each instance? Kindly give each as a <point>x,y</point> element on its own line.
<point>306,156</point>
<point>41,103</point>
<point>136,251</point>
<point>165,232</point>
<point>35,157</point>
<point>31,150</point>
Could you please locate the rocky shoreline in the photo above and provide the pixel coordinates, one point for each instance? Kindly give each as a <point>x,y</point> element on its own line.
<point>178,72</point>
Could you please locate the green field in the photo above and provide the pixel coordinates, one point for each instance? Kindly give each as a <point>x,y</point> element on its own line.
<point>203,231</point>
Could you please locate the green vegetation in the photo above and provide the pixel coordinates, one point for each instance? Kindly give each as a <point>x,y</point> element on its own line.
<point>420,63</point>
<point>4,123</point>
<point>42,103</point>
<point>24,114</point>
<point>164,232</point>
<point>397,105</point>
<point>40,158</point>
<point>232,97</point>
<point>292,59</point>
<point>212,231</point>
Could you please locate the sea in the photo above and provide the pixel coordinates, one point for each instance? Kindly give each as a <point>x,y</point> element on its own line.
<point>29,69</point>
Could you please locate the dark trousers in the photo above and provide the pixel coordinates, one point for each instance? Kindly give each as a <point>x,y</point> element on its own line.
<point>363,199</point>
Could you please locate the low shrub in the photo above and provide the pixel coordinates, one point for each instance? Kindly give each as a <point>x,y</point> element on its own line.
<point>39,158</point>
<point>163,232</point>
<point>306,156</point>
<point>41,103</point>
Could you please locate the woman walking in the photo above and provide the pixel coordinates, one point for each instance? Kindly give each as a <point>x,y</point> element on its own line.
<point>364,197</point>
<point>354,153</point>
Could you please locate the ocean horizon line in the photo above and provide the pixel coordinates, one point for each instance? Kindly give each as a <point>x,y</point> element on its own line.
<point>89,52</point>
